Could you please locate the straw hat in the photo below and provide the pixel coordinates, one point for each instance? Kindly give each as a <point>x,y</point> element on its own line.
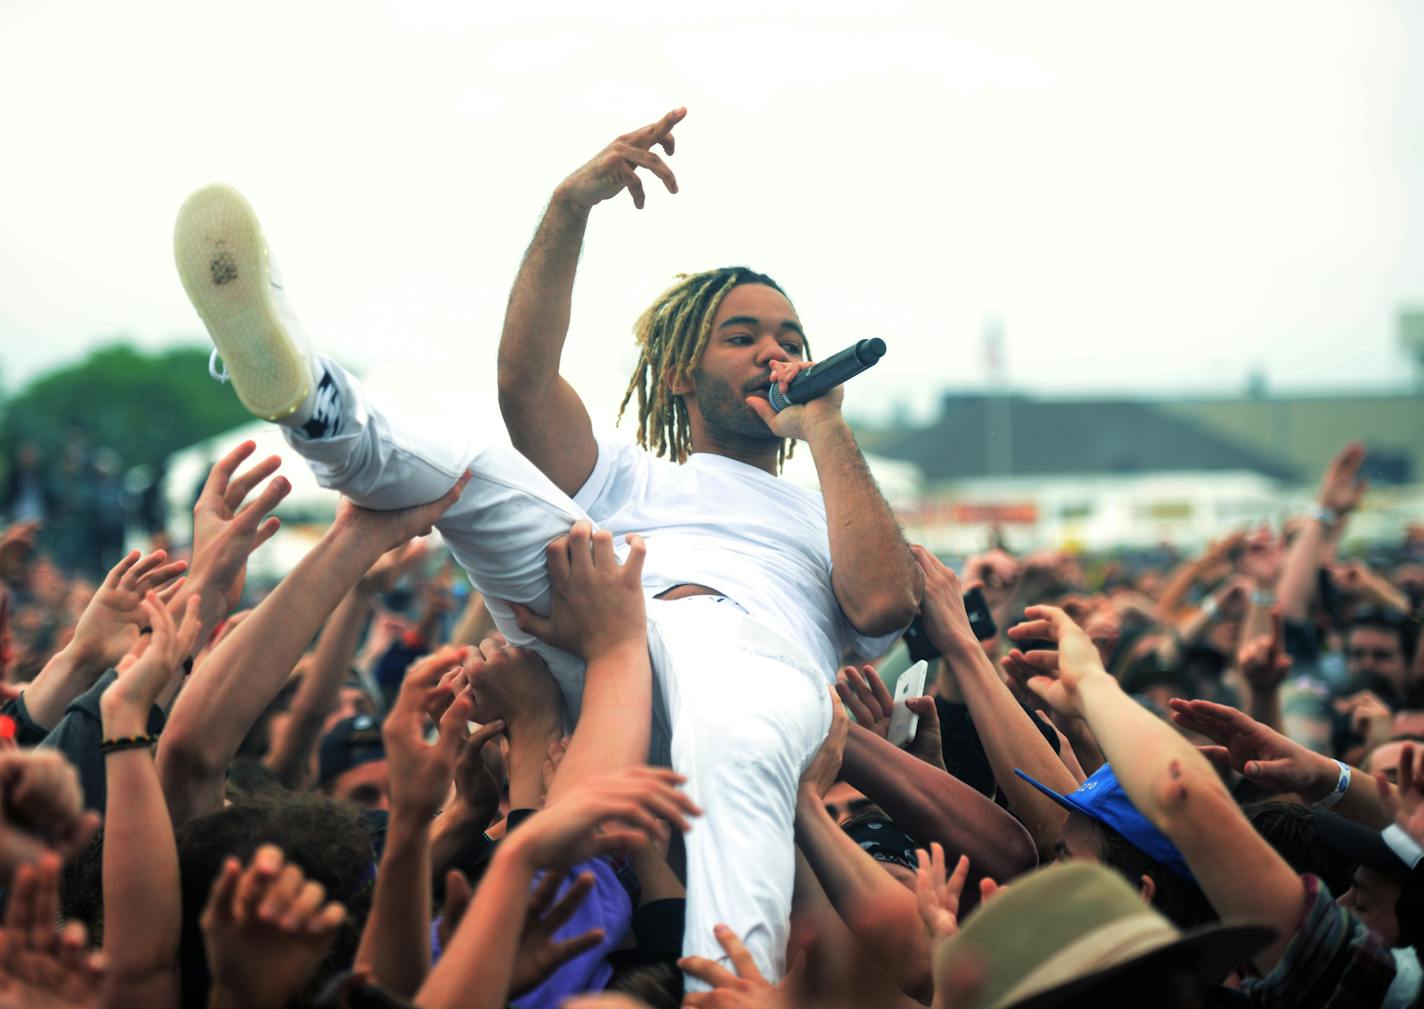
<point>1067,928</point>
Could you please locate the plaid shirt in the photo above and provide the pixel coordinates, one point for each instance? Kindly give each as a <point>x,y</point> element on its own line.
<point>1332,962</point>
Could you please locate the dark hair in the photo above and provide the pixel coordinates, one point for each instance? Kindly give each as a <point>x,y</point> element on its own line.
<point>672,334</point>
<point>327,839</point>
<point>1179,899</point>
<point>1289,828</point>
<point>1388,619</point>
<point>657,982</point>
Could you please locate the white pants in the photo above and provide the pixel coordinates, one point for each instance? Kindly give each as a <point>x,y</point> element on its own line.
<point>741,712</point>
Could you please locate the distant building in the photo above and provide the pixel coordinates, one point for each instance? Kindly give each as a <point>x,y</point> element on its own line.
<point>1114,471</point>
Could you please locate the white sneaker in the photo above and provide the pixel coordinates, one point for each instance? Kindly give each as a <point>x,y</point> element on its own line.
<point>230,279</point>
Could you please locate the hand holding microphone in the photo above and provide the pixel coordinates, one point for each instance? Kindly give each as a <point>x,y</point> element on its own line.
<point>810,382</point>
<point>823,376</point>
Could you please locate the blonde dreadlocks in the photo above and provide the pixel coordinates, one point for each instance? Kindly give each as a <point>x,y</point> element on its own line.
<point>671,335</point>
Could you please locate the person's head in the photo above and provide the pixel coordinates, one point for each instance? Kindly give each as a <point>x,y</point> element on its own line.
<point>1104,826</point>
<point>327,840</point>
<point>706,344</point>
<point>891,847</point>
<point>843,801</point>
<point>1387,756</point>
<point>1386,892</point>
<point>1075,934</point>
<point>351,764</point>
<point>1377,648</point>
<point>1289,828</point>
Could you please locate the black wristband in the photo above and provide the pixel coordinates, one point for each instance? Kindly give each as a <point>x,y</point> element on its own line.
<point>114,745</point>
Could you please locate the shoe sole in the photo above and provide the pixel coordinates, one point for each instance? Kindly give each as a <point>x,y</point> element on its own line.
<point>222,261</point>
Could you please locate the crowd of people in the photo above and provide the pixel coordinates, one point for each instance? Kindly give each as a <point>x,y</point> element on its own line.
<point>621,738</point>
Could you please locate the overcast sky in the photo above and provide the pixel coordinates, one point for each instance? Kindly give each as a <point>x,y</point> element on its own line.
<point>1152,196</point>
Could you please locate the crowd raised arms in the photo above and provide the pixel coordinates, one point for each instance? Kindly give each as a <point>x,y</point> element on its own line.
<point>622,736</point>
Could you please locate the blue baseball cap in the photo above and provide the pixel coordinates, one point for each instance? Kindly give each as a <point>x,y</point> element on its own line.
<point>1101,797</point>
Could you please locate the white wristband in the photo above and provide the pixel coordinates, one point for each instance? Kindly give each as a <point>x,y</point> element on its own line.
<point>1341,787</point>
<point>1325,516</point>
<point>1209,607</point>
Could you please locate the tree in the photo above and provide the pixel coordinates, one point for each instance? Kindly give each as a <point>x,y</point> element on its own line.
<point>143,406</point>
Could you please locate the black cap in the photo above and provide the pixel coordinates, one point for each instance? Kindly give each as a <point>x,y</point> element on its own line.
<point>350,743</point>
<point>1368,847</point>
<point>884,842</point>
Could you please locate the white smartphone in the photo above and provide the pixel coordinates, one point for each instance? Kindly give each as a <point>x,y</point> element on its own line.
<point>904,723</point>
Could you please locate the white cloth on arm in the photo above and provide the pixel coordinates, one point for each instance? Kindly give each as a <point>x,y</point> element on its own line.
<point>742,699</point>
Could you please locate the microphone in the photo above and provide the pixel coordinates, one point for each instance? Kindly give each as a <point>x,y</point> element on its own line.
<point>823,376</point>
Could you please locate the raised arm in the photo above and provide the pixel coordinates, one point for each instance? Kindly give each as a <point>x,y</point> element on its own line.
<point>546,419</point>
<point>878,910</point>
<point>1341,490</point>
<point>140,866</point>
<point>1170,782</point>
<point>1010,738</point>
<point>234,685</point>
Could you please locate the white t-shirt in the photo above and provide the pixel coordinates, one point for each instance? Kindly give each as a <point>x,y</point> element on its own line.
<point>714,521</point>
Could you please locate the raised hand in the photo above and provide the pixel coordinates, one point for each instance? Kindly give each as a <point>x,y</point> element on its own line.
<point>41,967</point>
<point>1255,750</point>
<point>614,168</point>
<point>1263,660</point>
<point>942,609</point>
<point>267,929</point>
<point>928,743</point>
<point>390,529</point>
<point>540,954</point>
<point>825,766</point>
<point>747,988</point>
<point>863,693</point>
<point>607,815</point>
<point>1261,561</point>
<point>109,625</point>
<point>1061,673</point>
<point>420,772</point>
<point>225,531</point>
<point>1341,488</point>
<point>1406,806</point>
<point>937,891</point>
<point>124,705</point>
<point>597,603</point>
<point>41,809</point>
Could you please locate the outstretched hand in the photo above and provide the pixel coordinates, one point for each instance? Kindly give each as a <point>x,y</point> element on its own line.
<point>1406,806</point>
<point>385,530</point>
<point>109,625</point>
<point>267,928</point>
<point>226,532</point>
<point>607,815</point>
<point>614,168</point>
<point>597,603</point>
<point>1059,674</point>
<point>41,809</point>
<point>1263,660</point>
<point>743,987</point>
<point>864,693</point>
<point>1255,750</point>
<point>421,773</point>
<point>1342,488</point>
<point>39,965</point>
<point>937,891</point>
<point>141,681</point>
<point>540,953</point>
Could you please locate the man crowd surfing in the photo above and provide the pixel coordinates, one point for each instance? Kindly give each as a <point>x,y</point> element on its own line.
<point>645,760</point>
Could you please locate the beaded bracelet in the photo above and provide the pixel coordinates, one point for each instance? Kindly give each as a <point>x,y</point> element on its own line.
<point>107,746</point>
